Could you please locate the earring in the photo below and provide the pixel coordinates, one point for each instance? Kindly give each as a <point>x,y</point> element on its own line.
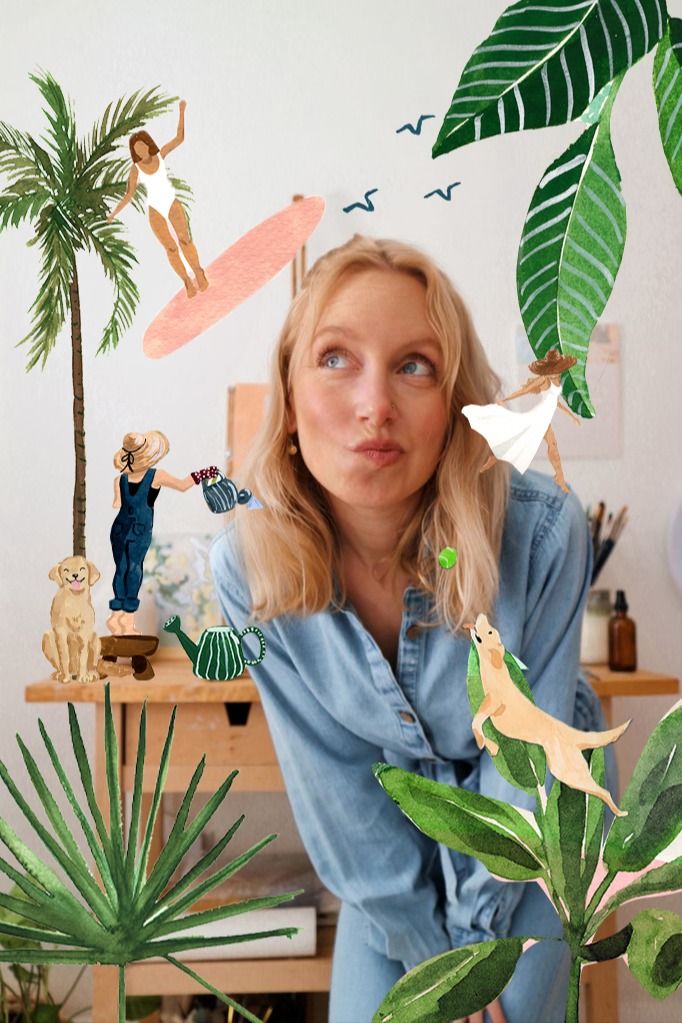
<point>291,448</point>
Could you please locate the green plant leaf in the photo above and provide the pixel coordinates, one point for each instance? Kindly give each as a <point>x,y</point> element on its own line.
<point>136,804</point>
<point>667,77</point>
<point>495,833</point>
<point>118,259</point>
<point>653,800</point>
<point>572,831</point>
<point>45,1013</point>
<point>453,984</point>
<point>666,878</point>
<point>9,915</point>
<point>570,252</point>
<point>544,64</point>
<point>655,951</point>
<point>140,1006</point>
<point>62,135</point>
<point>141,868</point>
<point>520,763</point>
<point>57,241</point>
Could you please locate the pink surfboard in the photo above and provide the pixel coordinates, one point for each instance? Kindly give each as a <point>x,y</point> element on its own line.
<point>235,275</point>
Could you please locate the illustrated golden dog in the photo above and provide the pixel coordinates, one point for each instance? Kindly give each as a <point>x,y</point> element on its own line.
<point>72,646</point>
<point>517,717</point>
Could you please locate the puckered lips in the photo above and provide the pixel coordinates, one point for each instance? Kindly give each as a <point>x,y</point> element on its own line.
<point>379,450</point>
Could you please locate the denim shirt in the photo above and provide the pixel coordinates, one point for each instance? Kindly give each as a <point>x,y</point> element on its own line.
<point>334,706</point>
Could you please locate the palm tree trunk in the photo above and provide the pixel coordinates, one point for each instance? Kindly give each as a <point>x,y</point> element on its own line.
<point>78,417</point>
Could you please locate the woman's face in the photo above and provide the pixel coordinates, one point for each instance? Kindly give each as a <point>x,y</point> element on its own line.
<point>142,149</point>
<point>365,399</point>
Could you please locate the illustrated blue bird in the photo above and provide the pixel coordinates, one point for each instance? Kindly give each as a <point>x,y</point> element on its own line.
<point>447,194</point>
<point>367,205</point>
<point>415,129</point>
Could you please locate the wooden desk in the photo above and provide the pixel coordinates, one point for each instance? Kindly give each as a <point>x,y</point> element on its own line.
<point>208,719</point>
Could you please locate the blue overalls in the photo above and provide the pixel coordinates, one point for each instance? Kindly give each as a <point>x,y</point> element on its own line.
<point>131,535</point>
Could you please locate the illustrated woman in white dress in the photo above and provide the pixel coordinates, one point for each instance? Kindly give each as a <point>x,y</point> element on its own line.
<point>164,207</point>
<point>516,436</point>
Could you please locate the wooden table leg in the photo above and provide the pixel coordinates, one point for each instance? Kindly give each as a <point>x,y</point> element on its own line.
<point>104,994</point>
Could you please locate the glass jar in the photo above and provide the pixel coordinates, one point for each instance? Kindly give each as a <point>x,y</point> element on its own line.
<point>594,640</point>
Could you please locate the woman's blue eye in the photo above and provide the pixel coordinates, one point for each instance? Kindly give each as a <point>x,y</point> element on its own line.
<point>424,364</point>
<point>332,360</point>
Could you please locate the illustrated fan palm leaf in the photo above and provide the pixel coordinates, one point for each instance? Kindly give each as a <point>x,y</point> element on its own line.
<point>544,62</point>
<point>138,911</point>
<point>571,250</point>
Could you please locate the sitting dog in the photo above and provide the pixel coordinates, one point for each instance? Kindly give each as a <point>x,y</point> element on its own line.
<point>72,646</point>
<point>515,716</point>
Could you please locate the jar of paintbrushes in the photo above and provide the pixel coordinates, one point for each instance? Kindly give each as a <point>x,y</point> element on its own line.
<point>604,531</point>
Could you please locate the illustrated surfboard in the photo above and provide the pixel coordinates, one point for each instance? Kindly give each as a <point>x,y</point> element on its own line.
<point>235,275</point>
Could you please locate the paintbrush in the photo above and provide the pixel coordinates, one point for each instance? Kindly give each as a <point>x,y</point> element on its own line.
<point>609,543</point>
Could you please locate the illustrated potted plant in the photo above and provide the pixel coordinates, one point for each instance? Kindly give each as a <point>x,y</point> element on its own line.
<point>563,848</point>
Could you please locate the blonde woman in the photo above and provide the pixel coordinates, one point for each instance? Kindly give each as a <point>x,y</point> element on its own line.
<point>367,468</point>
<point>135,491</point>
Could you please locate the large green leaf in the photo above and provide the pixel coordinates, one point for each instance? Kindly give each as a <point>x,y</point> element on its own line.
<point>570,252</point>
<point>666,878</point>
<point>653,800</point>
<point>543,63</point>
<point>495,833</point>
<point>521,763</point>
<point>655,951</point>
<point>667,74</point>
<point>572,829</point>
<point>453,984</point>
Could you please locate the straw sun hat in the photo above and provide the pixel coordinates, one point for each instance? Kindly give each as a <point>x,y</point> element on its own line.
<point>139,451</point>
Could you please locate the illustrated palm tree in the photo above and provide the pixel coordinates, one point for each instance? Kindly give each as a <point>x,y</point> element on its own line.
<point>65,187</point>
<point>138,911</point>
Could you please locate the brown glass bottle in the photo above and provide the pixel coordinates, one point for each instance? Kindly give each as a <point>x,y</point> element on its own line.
<point>622,637</point>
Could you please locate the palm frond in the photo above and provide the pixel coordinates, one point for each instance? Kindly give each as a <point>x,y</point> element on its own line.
<point>118,120</point>
<point>17,155</point>
<point>128,919</point>
<point>62,136</point>
<point>54,233</point>
<point>22,201</point>
<point>117,258</point>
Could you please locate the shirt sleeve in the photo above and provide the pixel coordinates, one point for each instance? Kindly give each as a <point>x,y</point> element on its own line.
<point>559,580</point>
<point>360,844</point>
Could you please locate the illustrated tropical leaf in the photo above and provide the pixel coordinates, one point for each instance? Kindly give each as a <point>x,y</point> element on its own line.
<point>666,878</point>
<point>62,136</point>
<point>495,833</point>
<point>653,800</point>
<point>118,121</point>
<point>520,763</point>
<point>654,955</point>
<point>570,252</point>
<point>667,75</point>
<point>572,830</point>
<point>130,917</point>
<point>117,258</point>
<point>57,262</point>
<point>544,62</point>
<point>452,985</point>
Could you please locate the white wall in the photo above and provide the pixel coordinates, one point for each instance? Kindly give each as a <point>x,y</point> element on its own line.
<point>305,96</point>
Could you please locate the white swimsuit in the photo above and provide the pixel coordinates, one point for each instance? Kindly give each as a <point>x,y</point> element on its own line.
<point>160,192</point>
<point>515,436</point>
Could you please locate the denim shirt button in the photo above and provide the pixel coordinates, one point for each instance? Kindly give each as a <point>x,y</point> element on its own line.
<point>406,716</point>
<point>412,632</point>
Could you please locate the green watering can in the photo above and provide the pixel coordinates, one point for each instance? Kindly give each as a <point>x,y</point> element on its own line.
<point>218,656</point>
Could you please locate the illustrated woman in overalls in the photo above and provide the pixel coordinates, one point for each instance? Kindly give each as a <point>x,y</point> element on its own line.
<point>135,491</point>
<point>165,210</point>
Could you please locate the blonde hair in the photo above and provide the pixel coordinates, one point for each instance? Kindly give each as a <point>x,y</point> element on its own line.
<point>291,547</point>
<point>140,451</point>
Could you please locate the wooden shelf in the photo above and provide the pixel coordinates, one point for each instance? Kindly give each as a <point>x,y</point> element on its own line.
<point>629,683</point>
<point>174,682</point>
<point>298,973</point>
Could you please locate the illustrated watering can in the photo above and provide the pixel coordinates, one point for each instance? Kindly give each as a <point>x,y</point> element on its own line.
<point>218,656</point>
<point>221,494</point>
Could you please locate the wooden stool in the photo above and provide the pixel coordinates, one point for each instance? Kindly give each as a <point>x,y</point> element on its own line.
<point>138,648</point>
